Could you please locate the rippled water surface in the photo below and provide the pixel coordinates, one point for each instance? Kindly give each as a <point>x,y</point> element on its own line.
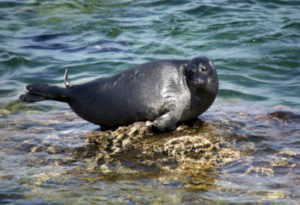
<point>45,156</point>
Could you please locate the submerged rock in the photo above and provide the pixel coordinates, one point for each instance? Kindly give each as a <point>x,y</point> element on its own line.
<point>287,116</point>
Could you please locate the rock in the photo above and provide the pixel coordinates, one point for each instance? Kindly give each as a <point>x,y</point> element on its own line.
<point>190,147</point>
<point>285,116</point>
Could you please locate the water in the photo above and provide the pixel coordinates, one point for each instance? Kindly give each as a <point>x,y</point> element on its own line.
<point>254,45</point>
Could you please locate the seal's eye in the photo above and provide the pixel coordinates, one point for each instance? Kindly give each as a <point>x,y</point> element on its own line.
<point>203,68</point>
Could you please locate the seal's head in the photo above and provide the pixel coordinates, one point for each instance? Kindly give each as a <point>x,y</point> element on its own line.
<point>201,76</point>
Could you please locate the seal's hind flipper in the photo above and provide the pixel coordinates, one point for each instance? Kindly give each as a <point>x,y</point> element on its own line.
<point>30,98</point>
<point>40,91</point>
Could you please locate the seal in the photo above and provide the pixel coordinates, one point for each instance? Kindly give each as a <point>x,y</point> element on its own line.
<point>165,92</point>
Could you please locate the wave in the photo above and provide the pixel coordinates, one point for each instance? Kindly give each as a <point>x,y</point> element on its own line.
<point>226,93</point>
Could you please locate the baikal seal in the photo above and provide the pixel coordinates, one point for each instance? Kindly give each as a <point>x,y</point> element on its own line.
<point>165,92</point>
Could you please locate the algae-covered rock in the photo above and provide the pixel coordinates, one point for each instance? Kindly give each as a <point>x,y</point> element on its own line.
<point>190,148</point>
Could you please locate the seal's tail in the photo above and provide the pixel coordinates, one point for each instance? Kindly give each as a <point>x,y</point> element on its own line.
<point>40,91</point>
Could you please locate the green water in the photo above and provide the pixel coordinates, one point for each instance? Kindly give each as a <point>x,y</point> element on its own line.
<point>255,46</point>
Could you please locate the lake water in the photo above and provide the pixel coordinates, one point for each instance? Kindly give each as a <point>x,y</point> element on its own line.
<point>255,46</point>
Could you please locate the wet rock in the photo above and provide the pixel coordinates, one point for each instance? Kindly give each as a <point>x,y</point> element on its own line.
<point>285,116</point>
<point>194,152</point>
<point>256,171</point>
<point>226,150</point>
<point>187,146</point>
<point>196,146</point>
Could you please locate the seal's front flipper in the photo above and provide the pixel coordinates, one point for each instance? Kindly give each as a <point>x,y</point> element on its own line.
<point>166,122</point>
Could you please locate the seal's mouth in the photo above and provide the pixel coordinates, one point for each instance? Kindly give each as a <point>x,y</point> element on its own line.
<point>208,85</point>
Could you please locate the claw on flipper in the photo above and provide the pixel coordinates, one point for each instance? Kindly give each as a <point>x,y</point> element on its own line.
<point>67,82</point>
